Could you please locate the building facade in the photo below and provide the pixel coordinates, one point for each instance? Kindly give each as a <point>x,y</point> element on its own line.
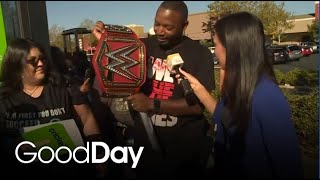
<point>195,29</point>
<point>297,34</point>
<point>138,29</point>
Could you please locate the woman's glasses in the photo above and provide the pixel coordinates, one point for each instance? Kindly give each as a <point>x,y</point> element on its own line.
<point>33,61</point>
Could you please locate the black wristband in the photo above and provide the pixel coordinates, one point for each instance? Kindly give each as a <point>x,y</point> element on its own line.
<point>156,106</point>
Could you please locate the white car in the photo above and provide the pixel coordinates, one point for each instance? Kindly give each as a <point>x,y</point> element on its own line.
<point>212,49</point>
<point>215,59</point>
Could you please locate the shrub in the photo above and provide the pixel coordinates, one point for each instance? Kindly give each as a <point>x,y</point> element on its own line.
<point>305,118</point>
<point>279,76</point>
<point>304,107</point>
<point>298,77</point>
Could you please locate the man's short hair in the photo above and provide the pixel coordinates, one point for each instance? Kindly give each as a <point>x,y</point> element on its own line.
<point>178,6</point>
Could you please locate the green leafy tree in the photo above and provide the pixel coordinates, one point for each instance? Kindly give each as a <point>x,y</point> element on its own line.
<point>275,19</point>
<point>279,37</point>
<point>313,29</point>
<point>273,16</point>
<point>206,43</point>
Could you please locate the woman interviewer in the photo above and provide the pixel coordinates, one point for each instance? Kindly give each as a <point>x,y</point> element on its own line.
<point>255,135</point>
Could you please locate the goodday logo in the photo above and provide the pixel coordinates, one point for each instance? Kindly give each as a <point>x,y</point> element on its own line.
<point>54,154</point>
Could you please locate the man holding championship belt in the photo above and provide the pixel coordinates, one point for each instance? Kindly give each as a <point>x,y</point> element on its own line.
<point>177,118</point>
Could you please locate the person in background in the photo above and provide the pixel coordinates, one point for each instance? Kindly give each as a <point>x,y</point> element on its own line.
<point>255,135</point>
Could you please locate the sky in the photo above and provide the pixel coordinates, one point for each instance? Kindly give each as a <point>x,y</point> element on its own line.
<point>69,14</point>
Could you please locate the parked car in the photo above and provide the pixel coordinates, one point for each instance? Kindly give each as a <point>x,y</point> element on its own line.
<point>215,59</point>
<point>294,51</point>
<point>314,47</point>
<point>277,54</point>
<point>212,49</point>
<point>306,51</point>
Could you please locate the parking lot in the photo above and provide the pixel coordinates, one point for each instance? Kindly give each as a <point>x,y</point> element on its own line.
<point>305,63</point>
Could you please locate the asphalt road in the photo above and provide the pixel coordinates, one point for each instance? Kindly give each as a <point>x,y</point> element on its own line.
<point>305,63</point>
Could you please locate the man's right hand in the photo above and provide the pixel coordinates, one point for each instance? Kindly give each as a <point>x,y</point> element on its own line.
<point>98,29</point>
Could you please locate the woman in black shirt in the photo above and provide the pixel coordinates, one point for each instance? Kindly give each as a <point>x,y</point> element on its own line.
<point>30,95</point>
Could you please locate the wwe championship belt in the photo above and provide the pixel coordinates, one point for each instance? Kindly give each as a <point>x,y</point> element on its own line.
<point>119,62</point>
<point>120,67</point>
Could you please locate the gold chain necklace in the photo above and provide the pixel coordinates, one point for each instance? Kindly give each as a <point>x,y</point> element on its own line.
<point>33,91</point>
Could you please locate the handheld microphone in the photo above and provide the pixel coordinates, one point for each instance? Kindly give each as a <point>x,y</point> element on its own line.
<point>174,62</point>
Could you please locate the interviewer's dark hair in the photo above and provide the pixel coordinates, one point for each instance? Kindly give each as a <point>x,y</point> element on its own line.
<point>242,34</point>
<point>178,6</point>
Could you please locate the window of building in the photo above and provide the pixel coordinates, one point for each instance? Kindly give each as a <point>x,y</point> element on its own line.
<point>11,21</point>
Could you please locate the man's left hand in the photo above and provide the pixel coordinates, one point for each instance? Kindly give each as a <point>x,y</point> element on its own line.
<point>140,102</point>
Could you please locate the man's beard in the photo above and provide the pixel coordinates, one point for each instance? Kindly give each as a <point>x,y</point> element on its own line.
<point>164,45</point>
<point>171,43</point>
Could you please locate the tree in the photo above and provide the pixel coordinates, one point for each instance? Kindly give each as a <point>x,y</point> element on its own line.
<point>206,43</point>
<point>88,24</point>
<point>55,36</point>
<point>218,9</point>
<point>272,15</point>
<point>279,37</point>
<point>313,29</point>
<point>275,19</point>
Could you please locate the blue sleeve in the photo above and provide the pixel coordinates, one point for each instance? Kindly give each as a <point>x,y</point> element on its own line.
<point>274,115</point>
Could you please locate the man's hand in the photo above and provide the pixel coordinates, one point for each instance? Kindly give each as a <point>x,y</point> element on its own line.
<point>140,102</point>
<point>98,29</point>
